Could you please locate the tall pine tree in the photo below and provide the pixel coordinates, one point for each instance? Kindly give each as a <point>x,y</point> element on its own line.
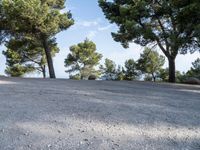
<point>163,23</point>
<point>41,19</point>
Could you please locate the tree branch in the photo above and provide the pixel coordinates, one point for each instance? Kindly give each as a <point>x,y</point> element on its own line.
<point>31,59</point>
<point>163,30</point>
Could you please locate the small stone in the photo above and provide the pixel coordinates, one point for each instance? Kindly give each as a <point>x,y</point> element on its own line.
<point>82,131</point>
<point>2,130</point>
<point>49,145</point>
<point>59,139</point>
<point>26,134</point>
<point>116,145</point>
<point>59,131</point>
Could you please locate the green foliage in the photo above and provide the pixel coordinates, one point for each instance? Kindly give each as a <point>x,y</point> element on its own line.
<point>14,67</point>
<point>195,69</point>
<point>2,25</point>
<point>189,21</point>
<point>83,59</point>
<point>120,73</point>
<point>151,21</point>
<point>18,70</point>
<point>109,70</point>
<point>41,19</point>
<point>182,77</point>
<point>130,71</point>
<point>150,63</point>
<point>75,77</point>
<point>29,51</point>
<point>155,22</point>
<point>164,75</point>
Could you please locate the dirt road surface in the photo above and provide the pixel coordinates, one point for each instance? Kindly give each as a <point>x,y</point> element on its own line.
<point>37,114</point>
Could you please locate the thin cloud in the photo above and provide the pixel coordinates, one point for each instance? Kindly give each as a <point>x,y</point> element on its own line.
<point>91,34</point>
<point>105,28</point>
<point>89,23</point>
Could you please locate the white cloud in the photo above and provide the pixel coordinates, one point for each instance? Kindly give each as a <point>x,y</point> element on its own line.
<point>91,34</point>
<point>89,23</point>
<point>105,28</point>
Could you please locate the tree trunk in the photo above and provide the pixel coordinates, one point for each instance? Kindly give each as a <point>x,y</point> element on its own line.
<point>49,58</point>
<point>172,70</point>
<point>154,78</point>
<point>44,71</point>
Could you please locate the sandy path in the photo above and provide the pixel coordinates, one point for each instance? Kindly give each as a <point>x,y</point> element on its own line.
<point>49,114</point>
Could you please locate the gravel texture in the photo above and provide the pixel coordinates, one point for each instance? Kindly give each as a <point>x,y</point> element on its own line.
<point>38,114</point>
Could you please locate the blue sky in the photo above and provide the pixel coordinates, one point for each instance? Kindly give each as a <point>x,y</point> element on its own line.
<point>91,23</point>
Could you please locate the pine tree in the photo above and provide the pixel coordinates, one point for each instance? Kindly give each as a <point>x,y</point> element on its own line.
<point>109,70</point>
<point>130,70</point>
<point>30,51</point>
<point>150,63</point>
<point>83,59</point>
<point>41,19</point>
<point>173,26</point>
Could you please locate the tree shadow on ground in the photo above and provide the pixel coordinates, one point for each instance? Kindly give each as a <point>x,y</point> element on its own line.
<point>151,116</point>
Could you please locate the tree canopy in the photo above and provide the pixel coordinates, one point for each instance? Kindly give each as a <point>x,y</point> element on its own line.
<point>14,63</point>
<point>82,59</point>
<point>30,51</point>
<point>195,69</point>
<point>150,63</point>
<point>130,70</point>
<point>28,28</point>
<point>109,70</point>
<point>155,22</point>
<point>41,19</point>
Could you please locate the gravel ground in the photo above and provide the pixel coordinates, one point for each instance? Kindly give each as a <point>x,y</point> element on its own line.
<point>37,114</point>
